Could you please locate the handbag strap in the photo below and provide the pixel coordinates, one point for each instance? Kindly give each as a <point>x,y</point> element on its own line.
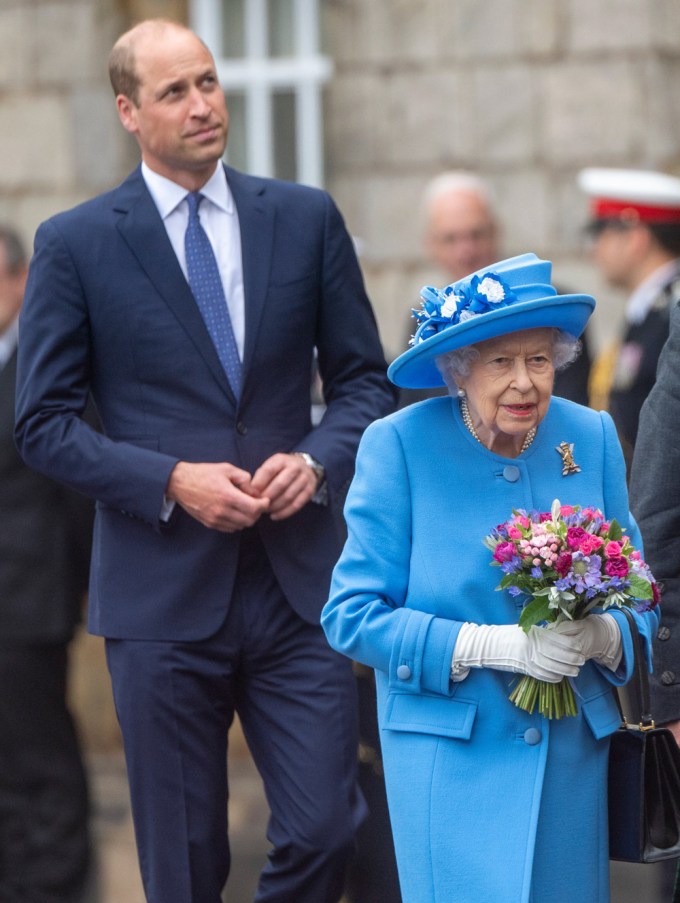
<point>638,686</point>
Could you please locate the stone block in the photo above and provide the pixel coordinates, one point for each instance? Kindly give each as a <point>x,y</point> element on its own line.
<point>65,46</point>
<point>504,108</point>
<point>392,216</point>
<point>426,117</point>
<point>609,25</point>
<point>591,112</point>
<point>351,118</point>
<point>15,36</point>
<point>398,32</point>
<point>661,111</point>
<point>35,142</point>
<point>524,209</point>
<point>99,140</point>
<point>469,31</point>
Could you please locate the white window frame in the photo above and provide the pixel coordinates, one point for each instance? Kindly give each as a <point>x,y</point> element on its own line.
<point>258,76</point>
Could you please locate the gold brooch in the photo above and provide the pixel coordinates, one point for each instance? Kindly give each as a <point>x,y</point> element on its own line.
<point>566,452</point>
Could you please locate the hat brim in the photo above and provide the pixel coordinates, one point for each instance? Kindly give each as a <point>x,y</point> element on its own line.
<point>416,368</point>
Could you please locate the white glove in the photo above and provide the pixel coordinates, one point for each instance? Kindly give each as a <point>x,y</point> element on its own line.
<point>541,653</point>
<point>598,637</point>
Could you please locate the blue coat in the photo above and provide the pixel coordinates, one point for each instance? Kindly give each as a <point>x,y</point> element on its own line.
<point>488,803</point>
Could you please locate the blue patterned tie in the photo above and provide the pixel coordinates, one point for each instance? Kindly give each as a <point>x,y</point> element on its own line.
<point>206,285</point>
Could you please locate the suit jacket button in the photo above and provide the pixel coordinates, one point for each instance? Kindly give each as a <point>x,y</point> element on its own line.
<point>532,736</point>
<point>241,428</point>
<point>403,672</point>
<point>511,473</point>
<point>663,634</point>
<point>668,678</point>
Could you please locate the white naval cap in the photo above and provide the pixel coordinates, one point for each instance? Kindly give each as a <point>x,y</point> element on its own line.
<point>631,194</point>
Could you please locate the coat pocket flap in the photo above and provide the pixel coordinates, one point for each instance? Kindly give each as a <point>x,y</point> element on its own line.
<point>439,715</point>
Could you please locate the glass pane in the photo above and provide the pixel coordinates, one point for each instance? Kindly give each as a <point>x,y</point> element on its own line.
<point>233,29</point>
<point>236,154</point>
<point>281,28</point>
<point>284,116</point>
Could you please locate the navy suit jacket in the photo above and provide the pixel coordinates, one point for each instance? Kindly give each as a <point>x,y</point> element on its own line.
<point>108,310</point>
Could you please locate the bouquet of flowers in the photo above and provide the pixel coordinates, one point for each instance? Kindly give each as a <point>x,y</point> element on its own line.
<point>568,561</point>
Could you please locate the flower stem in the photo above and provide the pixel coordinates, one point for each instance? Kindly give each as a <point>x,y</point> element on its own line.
<point>554,700</point>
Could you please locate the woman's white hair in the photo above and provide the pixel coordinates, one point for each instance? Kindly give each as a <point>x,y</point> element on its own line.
<point>455,365</point>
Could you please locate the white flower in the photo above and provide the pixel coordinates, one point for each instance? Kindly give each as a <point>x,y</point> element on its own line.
<point>491,289</point>
<point>449,306</point>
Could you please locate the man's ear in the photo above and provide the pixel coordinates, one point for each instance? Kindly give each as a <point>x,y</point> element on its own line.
<point>127,113</point>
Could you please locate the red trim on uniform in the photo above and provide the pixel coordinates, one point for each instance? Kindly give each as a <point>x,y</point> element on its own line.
<point>604,208</point>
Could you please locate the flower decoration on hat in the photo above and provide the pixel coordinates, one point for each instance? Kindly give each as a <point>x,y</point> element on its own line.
<point>441,308</point>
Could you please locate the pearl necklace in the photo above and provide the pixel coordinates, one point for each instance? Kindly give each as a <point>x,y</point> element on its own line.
<point>467,420</point>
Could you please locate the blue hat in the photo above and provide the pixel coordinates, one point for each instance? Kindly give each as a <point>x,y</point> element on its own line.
<point>508,296</point>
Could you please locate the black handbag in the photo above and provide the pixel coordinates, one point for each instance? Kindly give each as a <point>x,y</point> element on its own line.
<point>644,775</point>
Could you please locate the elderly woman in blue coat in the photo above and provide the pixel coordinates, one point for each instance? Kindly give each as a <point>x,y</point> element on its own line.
<point>489,803</point>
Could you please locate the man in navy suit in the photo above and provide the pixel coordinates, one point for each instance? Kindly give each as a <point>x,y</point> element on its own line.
<point>217,519</point>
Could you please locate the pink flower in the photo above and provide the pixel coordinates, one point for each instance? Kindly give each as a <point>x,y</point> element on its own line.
<point>575,536</point>
<point>656,595</point>
<point>563,564</point>
<point>566,510</point>
<point>636,555</point>
<point>522,521</point>
<point>613,550</point>
<point>604,529</point>
<point>591,544</point>
<point>504,551</point>
<point>544,516</point>
<point>514,533</point>
<point>616,567</point>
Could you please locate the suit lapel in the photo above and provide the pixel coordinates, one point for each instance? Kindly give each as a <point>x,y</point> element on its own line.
<point>142,229</point>
<point>256,222</point>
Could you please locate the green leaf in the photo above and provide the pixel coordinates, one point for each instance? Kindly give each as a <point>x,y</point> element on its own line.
<point>536,611</point>
<point>615,531</point>
<point>640,588</point>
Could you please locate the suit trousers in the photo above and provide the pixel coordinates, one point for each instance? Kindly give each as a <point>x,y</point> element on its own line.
<point>44,837</point>
<point>296,700</point>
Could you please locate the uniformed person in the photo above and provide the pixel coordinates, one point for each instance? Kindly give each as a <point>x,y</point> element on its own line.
<point>635,227</point>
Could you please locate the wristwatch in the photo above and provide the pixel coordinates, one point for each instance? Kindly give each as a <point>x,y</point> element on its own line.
<point>319,469</point>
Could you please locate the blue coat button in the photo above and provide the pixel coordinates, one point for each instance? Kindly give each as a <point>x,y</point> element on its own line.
<point>532,736</point>
<point>511,473</point>
<point>403,672</point>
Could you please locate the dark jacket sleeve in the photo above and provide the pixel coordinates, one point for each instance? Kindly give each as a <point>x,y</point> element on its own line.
<point>655,502</point>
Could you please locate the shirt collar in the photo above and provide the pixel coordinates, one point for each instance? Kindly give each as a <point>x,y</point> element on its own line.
<point>168,195</point>
<point>8,341</point>
<point>644,296</point>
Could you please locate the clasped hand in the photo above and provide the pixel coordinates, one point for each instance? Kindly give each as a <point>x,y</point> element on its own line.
<point>227,498</point>
<point>547,654</point>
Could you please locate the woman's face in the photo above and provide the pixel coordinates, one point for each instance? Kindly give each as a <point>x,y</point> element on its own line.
<point>509,386</point>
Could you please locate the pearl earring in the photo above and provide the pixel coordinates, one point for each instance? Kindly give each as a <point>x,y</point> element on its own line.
<point>461,393</point>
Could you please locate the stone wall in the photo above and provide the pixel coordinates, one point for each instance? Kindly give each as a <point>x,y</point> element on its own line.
<point>524,92</point>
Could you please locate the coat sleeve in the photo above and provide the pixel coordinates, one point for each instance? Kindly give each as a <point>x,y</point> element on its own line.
<point>655,500</point>
<point>53,383</point>
<point>367,616</point>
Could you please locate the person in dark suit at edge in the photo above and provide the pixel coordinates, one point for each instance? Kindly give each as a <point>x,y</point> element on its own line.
<point>189,302</point>
<point>45,537</point>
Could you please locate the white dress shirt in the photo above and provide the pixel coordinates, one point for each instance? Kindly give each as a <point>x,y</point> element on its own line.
<point>219,220</point>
